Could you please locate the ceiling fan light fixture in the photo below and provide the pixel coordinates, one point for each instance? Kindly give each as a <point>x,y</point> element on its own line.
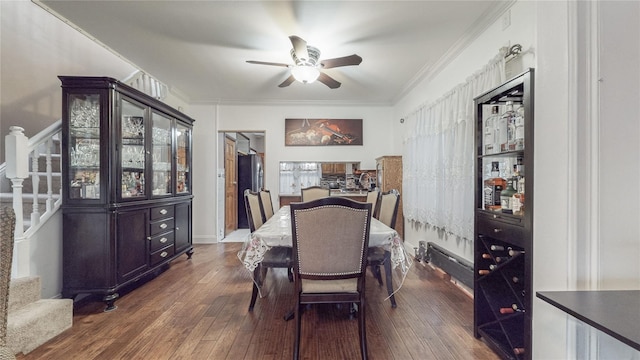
<point>305,73</point>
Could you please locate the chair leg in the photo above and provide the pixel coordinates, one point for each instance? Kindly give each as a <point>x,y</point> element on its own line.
<point>362,330</point>
<point>296,344</point>
<point>375,270</point>
<point>254,293</point>
<point>290,274</point>
<point>388,278</point>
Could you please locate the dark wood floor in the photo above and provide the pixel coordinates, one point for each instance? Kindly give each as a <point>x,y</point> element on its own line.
<point>197,309</point>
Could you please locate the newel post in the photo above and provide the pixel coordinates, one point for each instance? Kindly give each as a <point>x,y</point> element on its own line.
<point>17,157</point>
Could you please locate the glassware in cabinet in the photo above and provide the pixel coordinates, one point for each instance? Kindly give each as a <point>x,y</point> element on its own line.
<point>133,151</point>
<point>161,154</point>
<point>84,146</point>
<point>183,154</point>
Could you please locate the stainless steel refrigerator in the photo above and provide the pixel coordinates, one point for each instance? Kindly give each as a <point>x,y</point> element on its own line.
<point>250,176</point>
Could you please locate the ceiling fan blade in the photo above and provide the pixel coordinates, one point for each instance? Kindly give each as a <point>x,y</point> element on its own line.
<point>287,82</point>
<point>329,81</point>
<point>300,48</point>
<point>341,61</point>
<point>266,63</point>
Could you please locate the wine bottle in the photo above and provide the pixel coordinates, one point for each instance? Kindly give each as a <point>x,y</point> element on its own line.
<point>518,351</point>
<point>486,256</point>
<point>510,310</point>
<point>513,252</point>
<point>515,279</point>
<point>497,247</point>
<point>493,267</point>
<point>484,272</point>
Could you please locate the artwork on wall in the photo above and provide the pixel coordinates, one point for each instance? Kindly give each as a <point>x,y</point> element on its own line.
<point>322,132</point>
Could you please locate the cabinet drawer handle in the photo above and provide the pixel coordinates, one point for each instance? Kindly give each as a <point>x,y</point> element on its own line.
<point>497,230</point>
<point>163,226</point>
<point>164,240</point>
<point>164,254</point>
<point>163,211</point>
<point>148,237</point>
<point>177,228</point>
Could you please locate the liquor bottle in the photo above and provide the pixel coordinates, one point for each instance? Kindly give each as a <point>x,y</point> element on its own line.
<point>493,188</point>
<point>519,125</point>
<point>505,197</point>
<point>517,202</point>
<point>507,129</point>
<point>490,131</point>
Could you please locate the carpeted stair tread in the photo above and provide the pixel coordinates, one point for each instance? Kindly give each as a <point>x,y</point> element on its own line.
<point>38,322</point>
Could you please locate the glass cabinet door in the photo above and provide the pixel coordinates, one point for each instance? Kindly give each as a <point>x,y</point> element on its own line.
<point>183,149</point>
<point>84,146</point>
<point>132,156</point>
<point>161,155</point>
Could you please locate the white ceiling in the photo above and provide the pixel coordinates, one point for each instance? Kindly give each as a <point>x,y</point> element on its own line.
<point>200,48</point>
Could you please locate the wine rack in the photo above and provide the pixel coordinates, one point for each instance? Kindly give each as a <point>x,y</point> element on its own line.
<point>503,223</point>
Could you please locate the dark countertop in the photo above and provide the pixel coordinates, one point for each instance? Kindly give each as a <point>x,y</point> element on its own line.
<point>615,312</point>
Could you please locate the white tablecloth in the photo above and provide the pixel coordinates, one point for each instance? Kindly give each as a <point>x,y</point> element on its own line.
<point>277,232</point>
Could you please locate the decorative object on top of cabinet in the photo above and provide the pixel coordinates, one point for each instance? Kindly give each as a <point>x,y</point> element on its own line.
<point>320,132</point>
<point>126,178</point>
<point>389,172</point>
<point>503,234</point>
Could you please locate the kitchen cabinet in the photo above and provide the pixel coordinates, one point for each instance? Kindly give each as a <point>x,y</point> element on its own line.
<point>126,177</point>
<point>503,239</point>
<point>334,168</point>
<point>389,174</point>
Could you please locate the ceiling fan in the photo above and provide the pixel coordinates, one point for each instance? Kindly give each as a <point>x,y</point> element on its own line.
<point>306,67</point>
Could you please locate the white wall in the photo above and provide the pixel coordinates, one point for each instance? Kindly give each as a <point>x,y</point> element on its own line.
<point>204,173</point>
<point>377,133</point>
<point>472,58</point>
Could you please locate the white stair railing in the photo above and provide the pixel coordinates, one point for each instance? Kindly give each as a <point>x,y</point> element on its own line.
<point>19,149</point>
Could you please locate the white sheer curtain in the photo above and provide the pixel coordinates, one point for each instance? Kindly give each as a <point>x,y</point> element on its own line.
<point>438,159</point>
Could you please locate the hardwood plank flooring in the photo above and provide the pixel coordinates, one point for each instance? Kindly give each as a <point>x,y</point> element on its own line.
<point>197,309</point>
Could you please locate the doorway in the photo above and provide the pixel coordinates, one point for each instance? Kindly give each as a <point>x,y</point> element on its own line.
<point>237,144</point>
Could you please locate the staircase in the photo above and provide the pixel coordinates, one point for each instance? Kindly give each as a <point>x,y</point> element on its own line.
<point>32,320</point>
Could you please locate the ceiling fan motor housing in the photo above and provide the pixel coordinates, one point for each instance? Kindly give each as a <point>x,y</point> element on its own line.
<point>314,55</point>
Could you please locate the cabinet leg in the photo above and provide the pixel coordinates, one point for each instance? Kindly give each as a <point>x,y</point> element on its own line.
<point>189,253</point>
<point>110,301</point>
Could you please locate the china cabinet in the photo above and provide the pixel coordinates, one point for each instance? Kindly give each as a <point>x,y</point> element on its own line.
<point>126,178</point>
<point>389,173</point>
<point>503,239</point>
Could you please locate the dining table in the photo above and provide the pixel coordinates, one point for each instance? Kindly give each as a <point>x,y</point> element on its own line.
<point>276,232</point>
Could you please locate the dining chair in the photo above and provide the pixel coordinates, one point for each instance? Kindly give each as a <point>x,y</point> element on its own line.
<point>276,257</point>
<point>372,198</point>
<point>267,204</point>
<point>387,213</point>
<point>314,192</point>
<point>330,261</point>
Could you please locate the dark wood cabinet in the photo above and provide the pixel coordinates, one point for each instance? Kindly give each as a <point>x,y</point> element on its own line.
<point>503,234</point>
<point>126,178</point>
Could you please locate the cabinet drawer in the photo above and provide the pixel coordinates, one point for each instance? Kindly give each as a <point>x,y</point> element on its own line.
<point>502,231</point>
<point>161,212</point>
<point>162,255</point>
<point>161,226</point>
<point>162,240</point>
